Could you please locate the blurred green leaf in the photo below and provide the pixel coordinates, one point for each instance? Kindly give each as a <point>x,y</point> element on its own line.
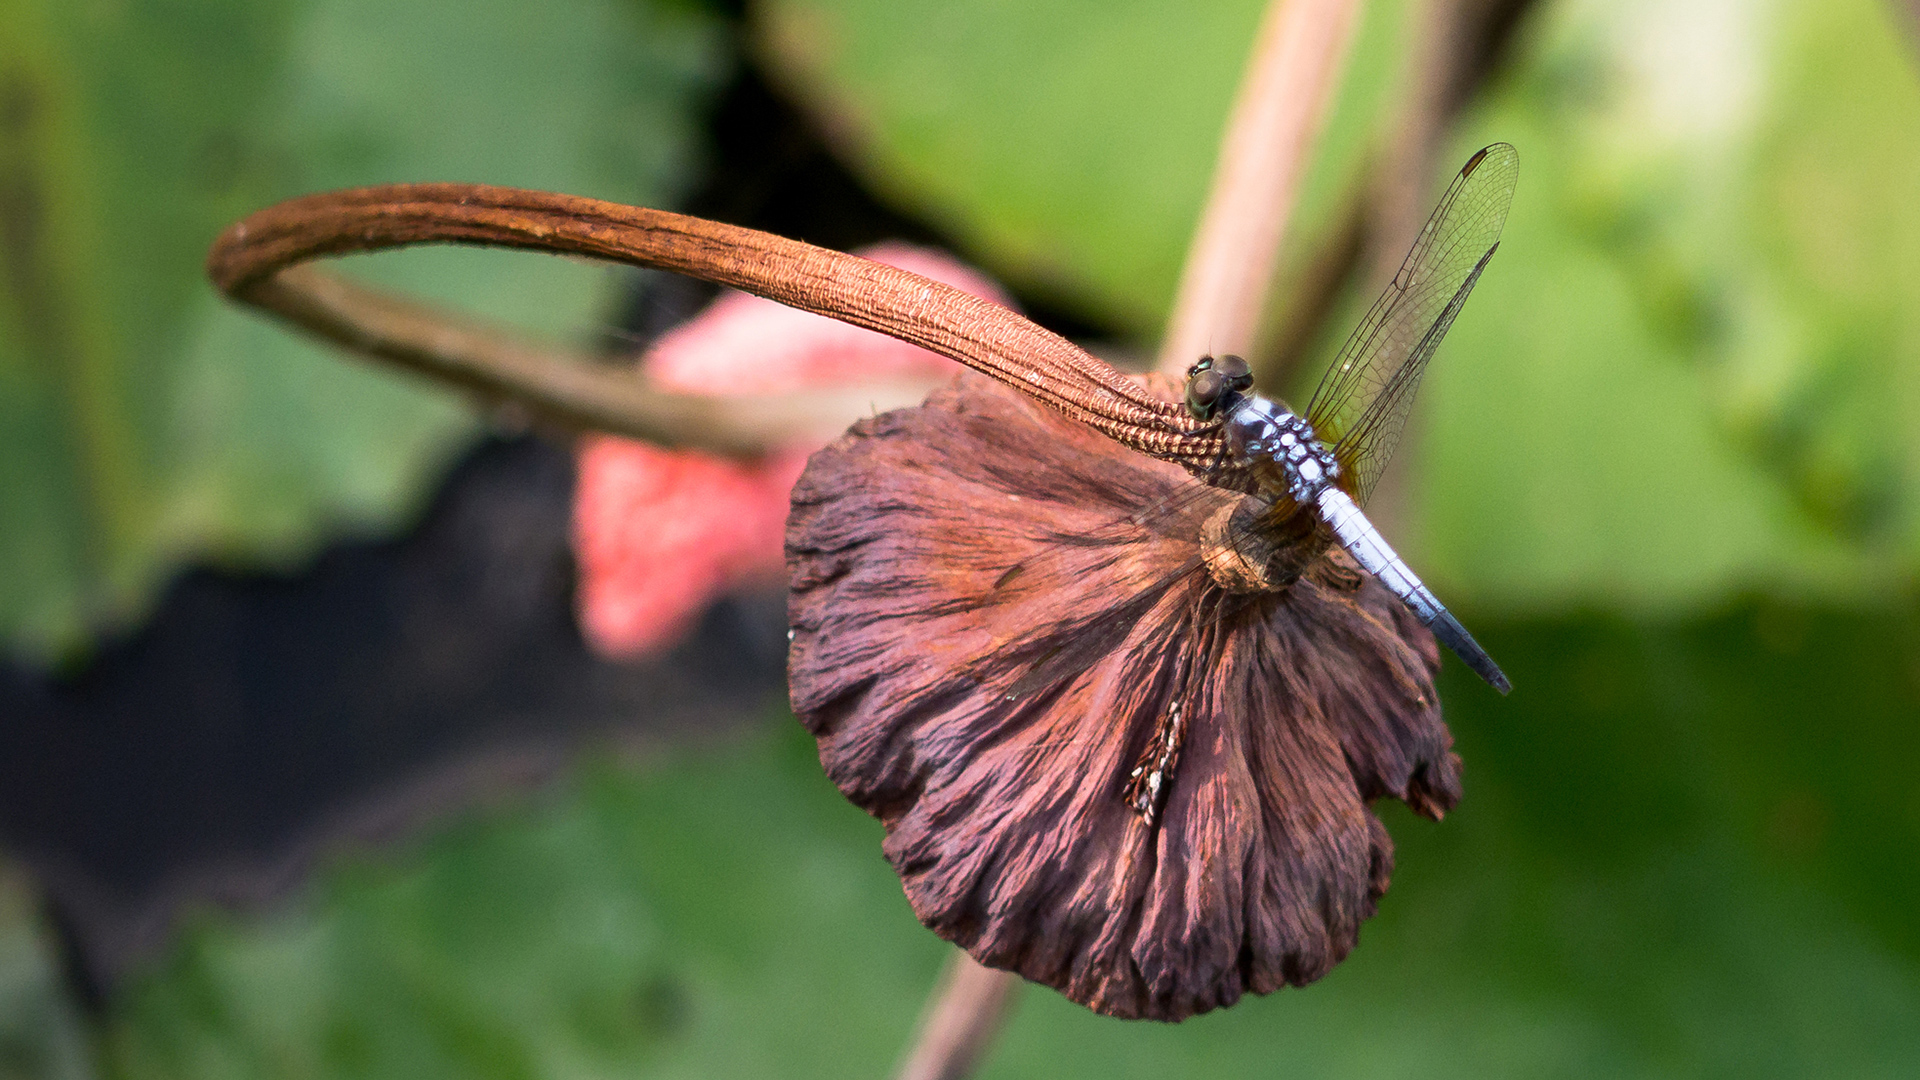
<point>143,421</point>
<point>1068,144</point>
<point>1685,850</point>
<point>1694,368</point>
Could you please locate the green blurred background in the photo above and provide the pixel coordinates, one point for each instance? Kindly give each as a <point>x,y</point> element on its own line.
<point>1668,466</point>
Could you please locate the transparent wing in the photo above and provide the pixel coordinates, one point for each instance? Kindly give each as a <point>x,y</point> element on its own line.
<point>1361,405</point>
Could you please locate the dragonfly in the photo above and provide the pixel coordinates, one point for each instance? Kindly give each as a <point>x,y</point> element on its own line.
<point>1310,473</point>
<point>1327,460</point>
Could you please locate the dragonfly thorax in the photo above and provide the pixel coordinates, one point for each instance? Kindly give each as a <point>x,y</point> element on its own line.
<point>1261,433</point>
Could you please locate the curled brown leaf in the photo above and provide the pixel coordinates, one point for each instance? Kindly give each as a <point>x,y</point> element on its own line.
<point>985,642</point>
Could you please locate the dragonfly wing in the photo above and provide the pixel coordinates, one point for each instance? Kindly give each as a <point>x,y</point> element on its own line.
<point>1361,404</point>
<point>1369,444</point>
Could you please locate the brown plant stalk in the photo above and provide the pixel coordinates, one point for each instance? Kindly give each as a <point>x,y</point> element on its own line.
<point>962,1016</point>
<point>252,259</point>
<point>1282,104</point>
<point>554,385</point>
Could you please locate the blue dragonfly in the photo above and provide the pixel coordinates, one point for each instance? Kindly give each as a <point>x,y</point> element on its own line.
<point>1328,459</point>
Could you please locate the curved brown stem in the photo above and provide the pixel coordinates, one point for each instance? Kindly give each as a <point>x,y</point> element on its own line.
<point>249,262</point>
<point>554,385</point>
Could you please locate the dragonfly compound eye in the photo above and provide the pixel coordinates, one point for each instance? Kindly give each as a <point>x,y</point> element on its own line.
<point>1235,370</point>
<point>1204,390</point>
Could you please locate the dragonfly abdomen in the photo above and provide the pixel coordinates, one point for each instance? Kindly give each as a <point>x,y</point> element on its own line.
<point>1372,552</point>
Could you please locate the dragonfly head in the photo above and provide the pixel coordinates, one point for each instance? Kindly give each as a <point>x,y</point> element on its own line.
<point>1213,382</point>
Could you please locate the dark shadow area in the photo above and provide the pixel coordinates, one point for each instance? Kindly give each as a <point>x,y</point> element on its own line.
<point>258,718</point>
